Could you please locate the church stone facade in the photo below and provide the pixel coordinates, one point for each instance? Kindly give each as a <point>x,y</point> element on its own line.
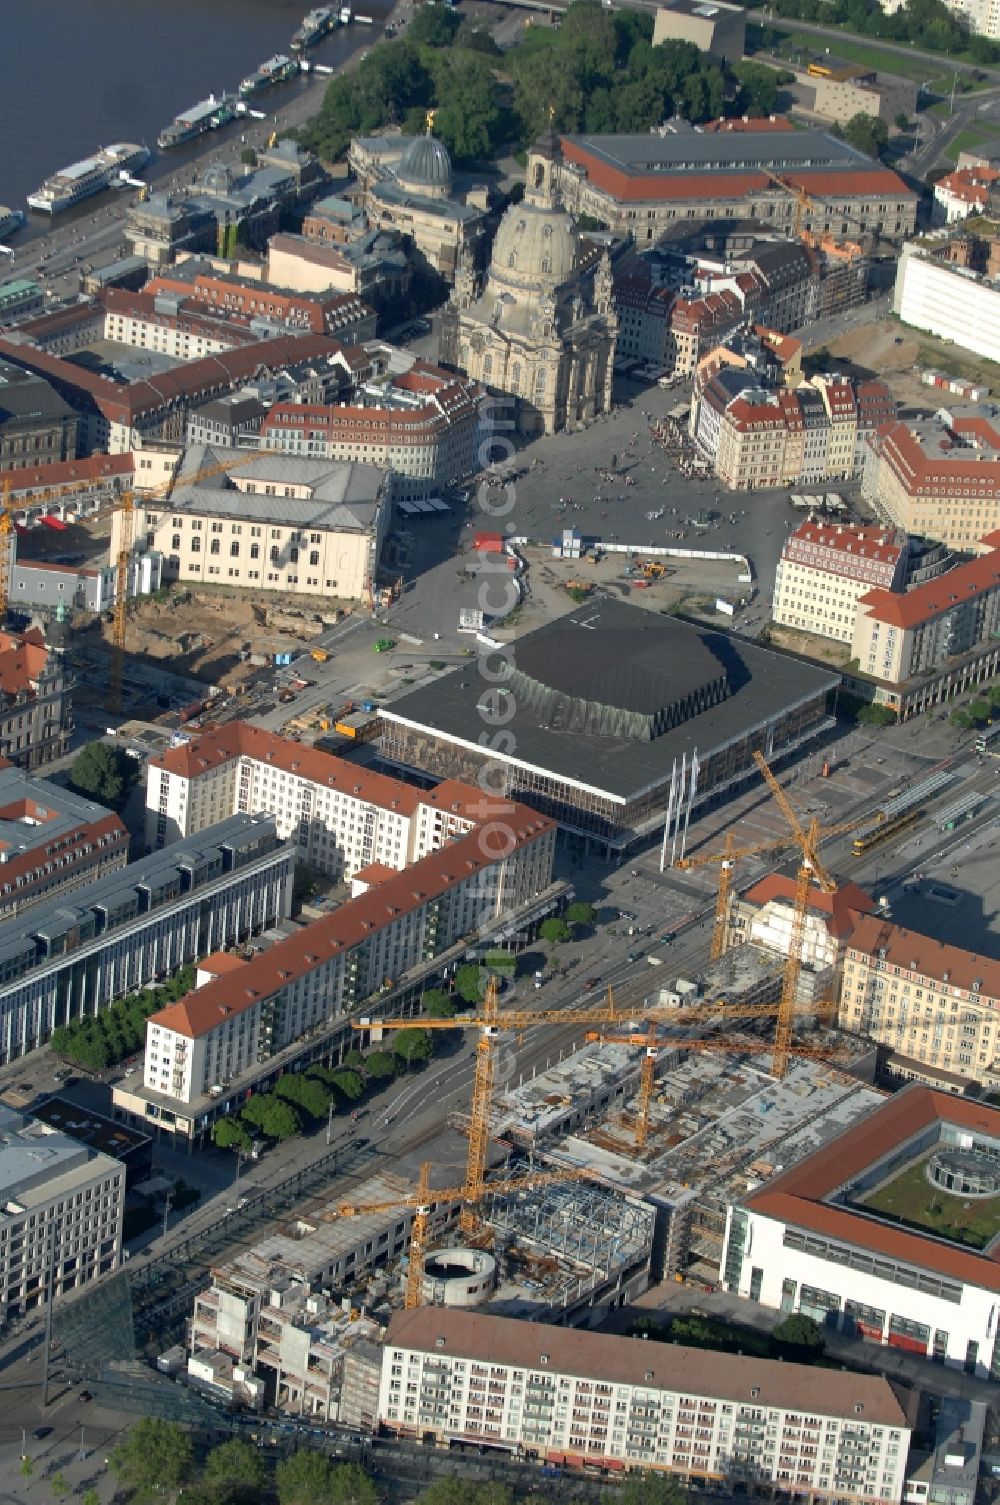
<point>543,327</point>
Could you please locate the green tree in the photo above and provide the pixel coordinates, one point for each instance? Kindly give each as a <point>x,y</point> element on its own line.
<point>353,1061</point>
<point>876,715</point>
<point>866,133</point>
<point>580,914</point>
<point>27,1467</point>
<point>501,961</point>
<point>350,1485</point>
<point>994,695</point>
<point>960,721</point>
<point>758,88</point>
<point>380,1066</point>
<point>272,1116</point>
<point>234,1468</point>
<point>248,157</point>
<point>453,1490</point>
<point>438,1004</point>
<point>348,1084</point>
<point>230,1134</point>
<point>433,26</point>
<point>470,984</point>
<point>799,1331</point>
<point>305,1092</point>
<point>980,710</point>
<point>104,773</point>
<point>554,930</point>
<point>650,1489</point>
<point>412,1045</point>
<point>59,1486</point>
<point>91,1498</point>
<point>156,1455</point>
<point>901,121</point>
<point>304,1478</point>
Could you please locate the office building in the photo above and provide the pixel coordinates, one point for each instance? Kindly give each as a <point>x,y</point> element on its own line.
<point>574,1397</point>
<point>936,1004</point>
<point>61,1224</point>
<point>51,840</point>
<point>77,953</point>
<point>938,477</point>
<point>825,568</point>
<point>718,29</point>
<point>829,1237</point>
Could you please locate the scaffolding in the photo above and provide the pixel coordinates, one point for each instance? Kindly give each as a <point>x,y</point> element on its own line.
<point>588,1226</point>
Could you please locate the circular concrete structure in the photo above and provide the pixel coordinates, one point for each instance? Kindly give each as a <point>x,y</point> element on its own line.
<point>963,1173</point>
<point>459,1277</point>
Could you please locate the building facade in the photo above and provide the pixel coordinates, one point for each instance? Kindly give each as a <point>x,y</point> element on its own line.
<point>641,185</point>
<point>422,426</point>
<point>52,840</point>
<point>69,959</point>
<point>899,637</point>
<point>569,1396</point>
<point>543,327</point>
<point>300,526</point>
<point>37,427</point>
<point>806,1240</point>
<point>198,1048</point>
<point>825,568</point>
<point>36,716</point>
<point>933,1003</point>
<point>937,477</point>
<point>61,1222</point>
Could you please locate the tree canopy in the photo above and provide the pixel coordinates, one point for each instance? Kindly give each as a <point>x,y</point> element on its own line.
<point>928,24</point>
<point>156,1455</point>
<point>470,983</point>
<point>272,1115</point>
<point>234,1468</point>
<point>104,773</point>
<point>438,1004</point>
<point>230,1134</point>
<point>412,1045</point>
<point>305,1478</point>
<point>554,930</point>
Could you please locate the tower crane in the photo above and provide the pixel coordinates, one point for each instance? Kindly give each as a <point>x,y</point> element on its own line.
<point>490,1020</point>
<point>798,193</point>
<point>424,1199</point>
<point>810,871</point>
<point>652,1043</point>
<point>6,529</point>
<point>731,854</point>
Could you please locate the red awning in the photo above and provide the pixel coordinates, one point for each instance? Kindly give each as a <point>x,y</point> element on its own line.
<point>53,522</point>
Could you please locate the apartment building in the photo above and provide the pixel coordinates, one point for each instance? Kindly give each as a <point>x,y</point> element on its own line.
<point>340,817</point>
<point>61,1218</point>
<point>937,1004</point>
<point>760,438</point>
<point>36,716</point>
<point>763,917</point>
<point>52,840</point>
<point>898,637</point>
<point>824,570</point>
<point>197,1049</point>
<point>937,477</point>
<point>295,525</point>
<point>963,192</point>
<point>75,954</point>
<point>576,1397</point>
<point>422,426</point>
<point>255,301</point>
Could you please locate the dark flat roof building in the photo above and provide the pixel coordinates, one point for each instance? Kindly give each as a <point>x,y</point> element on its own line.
<point>607,709</point>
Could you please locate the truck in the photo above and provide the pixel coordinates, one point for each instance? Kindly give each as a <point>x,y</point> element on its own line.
<point>320,655</point>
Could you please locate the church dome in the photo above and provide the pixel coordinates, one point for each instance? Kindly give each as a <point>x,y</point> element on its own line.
<point>426,165</point>
<point>536,249</point>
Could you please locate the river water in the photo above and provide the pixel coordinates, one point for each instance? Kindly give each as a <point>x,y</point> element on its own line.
<point>79,74</point>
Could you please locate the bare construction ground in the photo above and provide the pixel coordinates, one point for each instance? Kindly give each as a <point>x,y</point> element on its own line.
<point>890,349</point>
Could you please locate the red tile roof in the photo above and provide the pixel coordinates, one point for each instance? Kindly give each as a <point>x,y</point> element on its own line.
<point>844,908</point>
<point>913,952</point>
<point>23,657</point>
<point>796,1196</point>
<point>221,962</point>
<point>925,602</point>
<point>610,1359</point>
<point>68,474</point>
<point>270,971</point>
